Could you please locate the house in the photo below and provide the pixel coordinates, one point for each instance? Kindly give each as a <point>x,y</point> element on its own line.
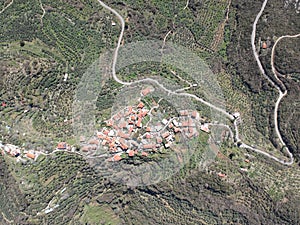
<point>109,123</point>
<point>129,111</point>
<point>85,148</point>
<point>264,45</point>
<point>175,123</point>
<point>130,129</point>
<point>139,123</point>
<point>144,112</point>
<point>141,105</point>
<point>130,153</point>
<point>164,122</point>
<point>184,113</point>
<point>116,157</point>
<point>205,128</point>
<point>221,175</point>
<point>30,155</point>
<point>148,129</point>
<point>122,124</point>
<point>185,123</point>
<point>62,145</point>
<point>94,142</point>
<point>165,135</point>
<point>176,129</point>
<point>146,91</point>
<point>144,154</point>
<point>149,146</point>
<point>100,135</point>
<point>123,135</point>
<point>195,115</point>
<point>159,140</point>
<point>148,135</point>
<point>167,145</point>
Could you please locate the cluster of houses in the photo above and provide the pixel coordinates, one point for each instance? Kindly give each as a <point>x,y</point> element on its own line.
<point>21,154</point>
<point>127,133</point>
<point>15,151</point>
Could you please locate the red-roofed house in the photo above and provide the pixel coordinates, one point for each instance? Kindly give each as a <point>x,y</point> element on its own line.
<point>195,115</point>
<point>116,157</point>
<point>129,111</point>
<point>139,123</point>
<point>176,129</point>
<point>145,112</point>
<point>165,135</point>
<point>221,175</point>
<point>264,45</point>
<point>149,146</point>
<point>130,153</point>
<point>159,140</point>
<point>62,145</point>
<point>184,113</point>
<point>205,128</point>
<point>30,155</point>
<point>122,124</point>
<point>123,135</point>
<point>109,123</point>
<point>146,91</point>
<point>141,105</point>
<point>100,135</point>
<point>144,154</point>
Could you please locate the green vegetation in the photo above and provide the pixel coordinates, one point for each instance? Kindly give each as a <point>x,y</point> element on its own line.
<point>95,214</point>
<point>36,54</point>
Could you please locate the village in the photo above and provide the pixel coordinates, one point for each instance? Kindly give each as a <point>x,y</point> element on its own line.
<point>128,133</point>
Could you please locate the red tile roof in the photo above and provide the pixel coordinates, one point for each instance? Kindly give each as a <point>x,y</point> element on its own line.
<point>221,175</point>
<point>109,123</point>
<point>123,135</point>
<point>139,123</point>
<point>30,155</point>
<point>62,145</point>
<point>194,114</point>
<point>131,153</point>
<point>144,154</point>
<point>117,157</point>
<point>146,91</point>
<point>165,135</point>
<point>149,146</point>
<point>141,105</point>
<point>176,129</point>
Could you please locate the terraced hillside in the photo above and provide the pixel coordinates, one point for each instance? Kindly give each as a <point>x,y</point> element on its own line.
<point>46,47</point>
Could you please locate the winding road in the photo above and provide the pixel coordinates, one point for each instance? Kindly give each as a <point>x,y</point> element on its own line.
<point>234,119</point>
<point>9,4</point>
